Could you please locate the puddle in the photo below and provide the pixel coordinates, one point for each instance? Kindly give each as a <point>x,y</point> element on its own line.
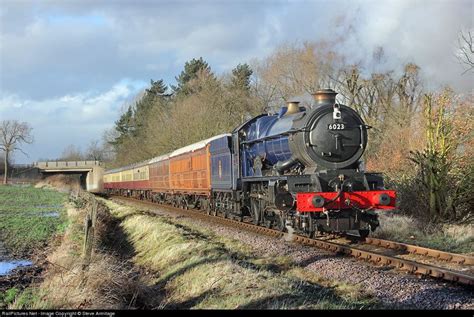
<point>33,213</point>
<point>49,206</point>
<point>50,214</point>
<point>7,266</point>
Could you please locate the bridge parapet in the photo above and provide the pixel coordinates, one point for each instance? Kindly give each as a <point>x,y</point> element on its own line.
<point>67,164</point>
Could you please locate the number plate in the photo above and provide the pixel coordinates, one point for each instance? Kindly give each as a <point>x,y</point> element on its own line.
<point>336,126</point>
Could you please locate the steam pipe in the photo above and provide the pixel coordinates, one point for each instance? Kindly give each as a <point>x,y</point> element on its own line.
<point>282,166</point>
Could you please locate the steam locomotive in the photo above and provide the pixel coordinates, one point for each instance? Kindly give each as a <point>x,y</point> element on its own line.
<point>299,169</point>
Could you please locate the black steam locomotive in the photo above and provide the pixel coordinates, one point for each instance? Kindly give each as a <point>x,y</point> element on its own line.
<point>302,168</point>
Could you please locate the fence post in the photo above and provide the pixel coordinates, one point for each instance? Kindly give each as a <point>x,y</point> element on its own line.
<point>95,205</point>
<point>89,235</point>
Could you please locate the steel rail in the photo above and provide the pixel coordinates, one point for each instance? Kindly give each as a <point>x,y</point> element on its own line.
<point>413,267</point>
<point>415,249</point>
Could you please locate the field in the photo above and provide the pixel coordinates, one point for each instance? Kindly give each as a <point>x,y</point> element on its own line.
<point>29,217</point>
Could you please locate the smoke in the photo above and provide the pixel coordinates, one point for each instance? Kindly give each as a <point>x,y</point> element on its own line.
<point>289,235</point>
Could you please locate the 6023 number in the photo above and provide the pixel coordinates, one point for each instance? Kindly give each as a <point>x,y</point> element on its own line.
<point>336,126</point>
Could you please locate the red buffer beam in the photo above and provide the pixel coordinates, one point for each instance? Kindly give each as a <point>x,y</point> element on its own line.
<point>374,199</point>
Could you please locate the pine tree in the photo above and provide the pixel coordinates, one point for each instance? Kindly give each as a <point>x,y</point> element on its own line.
<point>190,72</point>
<point>241,77</point>
<point>124,126</point>
<point>158,88</point>
<point>152,97</point>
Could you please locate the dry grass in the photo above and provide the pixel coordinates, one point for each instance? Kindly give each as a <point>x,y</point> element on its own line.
<point>397,227</point>
<point>181,266</point>
<point>108,283</point>
<point>192,268</point>
<point>447,237</point>
<point>63,183</point>
<point>462,234</point>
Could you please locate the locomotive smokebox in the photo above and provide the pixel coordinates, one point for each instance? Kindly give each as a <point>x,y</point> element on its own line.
<point>325,97</point>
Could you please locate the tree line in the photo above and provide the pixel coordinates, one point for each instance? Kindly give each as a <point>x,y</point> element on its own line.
<point>95,151</point>
<point>168,117</point>
<point>422,140</point>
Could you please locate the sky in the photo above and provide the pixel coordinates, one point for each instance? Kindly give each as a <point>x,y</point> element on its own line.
<point>69,67</point>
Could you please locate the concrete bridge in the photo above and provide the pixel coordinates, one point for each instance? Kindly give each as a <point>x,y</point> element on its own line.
<point>91,172</point>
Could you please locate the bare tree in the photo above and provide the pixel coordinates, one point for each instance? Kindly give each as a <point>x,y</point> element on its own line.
<point>293,70</point>
<point>95,151</point>
<point>2,168</point>
<point>12,135</point>
<point>409,89</point>
<point>466,50</point>
<point>72,153</point>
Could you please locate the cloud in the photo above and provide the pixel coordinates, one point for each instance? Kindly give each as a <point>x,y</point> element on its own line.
<point>63,64</point>
<point>52,48</point>
<point>66,48</point>
<point>70,119</point>
<point>423,32</point>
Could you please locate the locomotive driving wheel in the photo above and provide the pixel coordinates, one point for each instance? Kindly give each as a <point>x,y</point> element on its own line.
<point>276,221</point>
<point>243,211</point>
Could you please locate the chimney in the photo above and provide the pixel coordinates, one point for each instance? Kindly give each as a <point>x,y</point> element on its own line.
<point>325,97</point>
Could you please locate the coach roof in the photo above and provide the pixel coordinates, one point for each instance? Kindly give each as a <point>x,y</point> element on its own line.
<point>190,148</point>
<point>197,145</point>
<point>159,158</point>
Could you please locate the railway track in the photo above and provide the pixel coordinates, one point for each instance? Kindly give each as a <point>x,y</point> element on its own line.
<point>417,260</point>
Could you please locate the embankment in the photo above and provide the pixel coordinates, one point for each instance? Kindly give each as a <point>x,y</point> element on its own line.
<point>144,260</point>
<point>190,267</point>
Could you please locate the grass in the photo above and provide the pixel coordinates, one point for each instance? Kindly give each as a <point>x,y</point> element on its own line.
<point>26,223</point>
<point>143,261</point>
<point>107,283</point>
<point>446,237</point>
<point>8,297</point>
<point>190,267</point>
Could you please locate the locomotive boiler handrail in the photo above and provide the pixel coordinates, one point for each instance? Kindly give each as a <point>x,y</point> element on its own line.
<point>293,131</point>
<point>362,139</point>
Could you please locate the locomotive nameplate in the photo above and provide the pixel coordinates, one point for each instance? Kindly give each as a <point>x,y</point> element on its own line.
<point>336,126</point>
